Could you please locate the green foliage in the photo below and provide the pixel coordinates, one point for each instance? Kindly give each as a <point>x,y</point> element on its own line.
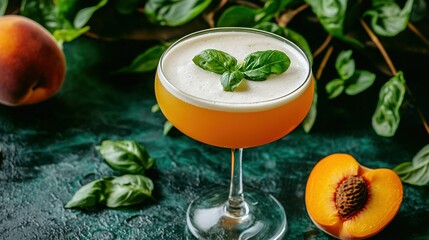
<point>386,117</point>
<point>56,17</point>
<point>387,18</point>
<point>174,12</point>
<point>351,81</point>
<point>332,14</point>
<point>415,172</point>
<point>3,7</point>
<point>146,61</point>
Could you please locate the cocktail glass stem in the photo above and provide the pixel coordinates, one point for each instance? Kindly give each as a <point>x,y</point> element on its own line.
<point>236,206</point>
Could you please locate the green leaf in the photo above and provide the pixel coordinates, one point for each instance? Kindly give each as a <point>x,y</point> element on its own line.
<point>155,108</point>
<point>89,195</point>
<point>289,34</point>
<point>126,156</point>
<point>417,171</point>
<point>174,12</point>
<point>68,35</point>
<point>83,16</point>
<point>3,7</point>
<point>270,9</point>
<point>259,65</point>
<point>128,190</point>
<point>310,119</point>
<point>386,117</point>
<point>215,61</point>
<point>145,62</point>
<point>334,88</point>
<point>237,16</point>
<point>345,65</point>
<point>387,18</point>
<point>167,127</point>
<point>231,80</point>
<point>359,82</point>
<point>43,12</point>
<point>331,14</point>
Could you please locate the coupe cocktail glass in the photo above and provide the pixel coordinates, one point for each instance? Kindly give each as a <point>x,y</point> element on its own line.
<point>256,113</point>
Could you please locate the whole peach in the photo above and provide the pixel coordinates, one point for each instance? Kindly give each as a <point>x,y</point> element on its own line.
<point>32,65</point>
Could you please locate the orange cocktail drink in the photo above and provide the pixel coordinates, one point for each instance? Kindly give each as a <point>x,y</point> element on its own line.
<point>257,112</point>
<point>232,119</point>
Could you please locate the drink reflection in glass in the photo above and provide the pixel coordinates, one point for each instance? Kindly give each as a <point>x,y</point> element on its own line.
<point>256,113</point>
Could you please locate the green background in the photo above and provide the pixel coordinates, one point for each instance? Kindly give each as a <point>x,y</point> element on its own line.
<point>48,152</point>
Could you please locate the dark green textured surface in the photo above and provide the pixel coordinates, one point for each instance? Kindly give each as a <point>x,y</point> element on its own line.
<point>47,152</point>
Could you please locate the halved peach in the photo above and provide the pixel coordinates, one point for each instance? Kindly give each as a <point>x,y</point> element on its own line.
<point>350,201</point>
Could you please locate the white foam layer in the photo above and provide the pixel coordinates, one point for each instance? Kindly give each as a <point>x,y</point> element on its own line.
<point>197,86</point>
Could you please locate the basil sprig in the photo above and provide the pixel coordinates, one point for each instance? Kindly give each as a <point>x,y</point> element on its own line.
<point>352,81</point>
<point>256,67</point>
<point>126,156</point>
<point>417,171</point>
<point>125,190</point>
<point>113,192</point>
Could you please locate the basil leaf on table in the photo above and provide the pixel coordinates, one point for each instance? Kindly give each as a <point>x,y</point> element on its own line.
<point>259,65</point>
<point>113,192</point>
<point>386,117</point>
<point>415,172</point>
<point>128,190</point>
<point>126,156</point>
<point>215,61</point>
<point>90,194</point>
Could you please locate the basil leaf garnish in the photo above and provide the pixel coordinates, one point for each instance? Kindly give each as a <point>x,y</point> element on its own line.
<point>90,194</point>
<point>128,190</point>
<point>415,172</point>
<point>256,67</point>
<point>231,80</point>
<point>126,156</point>
<point>386,117</point>
<point>215,61</point>
<point>259,65</point>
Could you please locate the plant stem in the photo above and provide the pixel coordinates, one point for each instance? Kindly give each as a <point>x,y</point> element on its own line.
<point>323,46</point>
<point>324,61</point>
<point>418,33</point>
<point>380,47</point>
<point>209,17</point>
<point>394,72</point>
<point>287,16</point>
